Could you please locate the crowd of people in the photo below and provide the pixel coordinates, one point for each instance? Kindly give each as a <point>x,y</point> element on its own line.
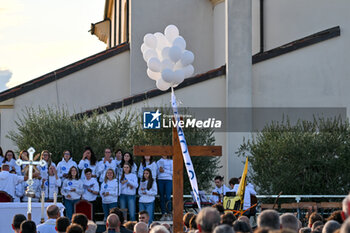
<point>117,180</point>
<point>208,220</point>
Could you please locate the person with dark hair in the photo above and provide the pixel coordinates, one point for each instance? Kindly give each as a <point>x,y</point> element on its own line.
<point>144,216</point>
<point>147,192</point>
<point>228,218</point>
<point>241,226</point>
<point>120,215</point>
<point>207,219</point>
<point>72,189</point>
<point>106,163</point>
<point>219,207</point>
<point>80,219</point>
<point>147,162</point>
<point>316,224</point>
<point>128,158</point>
<point>314,217</point>
<point>128,185</point>
<point>24,156</point>
<point>44,171</point>
<point>28,226</point>
<point>305,230</point>
<point>193,222</point>
<point>113,224</point>
<point>269,219</point>
<point>219,191</point>
<point>11,161</point>
<point>118,161</point>
<point>109,192</point>
<point>233,181</point>
<point>64,165</point>
<point>336,215</point>
<point>1,155</point>
<point>74,228</point>
<point>16,222</point>
<point>91,189</point>
<point>53,212</point>
<point>88,161</point>
<point>61,224</point>
<point>165,186</point>
<point>186,220</point>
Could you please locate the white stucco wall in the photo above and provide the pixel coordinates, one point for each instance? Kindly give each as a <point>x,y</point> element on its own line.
<point>193,18</point>
<point>89,88</point>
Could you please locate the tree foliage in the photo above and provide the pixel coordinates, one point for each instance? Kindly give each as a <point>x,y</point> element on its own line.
<point>56,130</point>
<point>310,157</point>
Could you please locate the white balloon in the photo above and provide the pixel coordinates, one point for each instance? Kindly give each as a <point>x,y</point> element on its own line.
<point>168,75</point>
<point>162,41</point>
<point>154,64</point>
<point>179,76</point>
<point>144,47</point>
<point>171,32</point>
<point>180,42</point>
<point>165,52</point>
<point>149,53</point>
<point>187,58</point>
<point>153,75</point>
<point>178,65</point>
<point>175,53</point>
<point>188,71</point>
<point>167,64</point>
<point>162,85</point>
<point>150,40</point>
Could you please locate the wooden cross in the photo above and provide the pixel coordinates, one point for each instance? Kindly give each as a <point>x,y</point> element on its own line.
<point>30,192</point>
<point>175,151</point>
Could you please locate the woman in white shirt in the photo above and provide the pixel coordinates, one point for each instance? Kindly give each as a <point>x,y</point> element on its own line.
<point>10,160</point>
<point>147,163</point>
<point>51,184</point>
<point>128,158</point>
<point>165,186</point>
<point>106,163</point>
<point>88,161</point>
<point>66,163</point>
<point>109,192</point>
<point>128,185</point>
<point>44,171</point>
<point>72,189</point>
<point>147,192</point>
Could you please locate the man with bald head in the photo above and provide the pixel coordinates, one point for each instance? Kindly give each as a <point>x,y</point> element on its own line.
<point>141,227</point>
<point>53,212</point>
<point>112,224</point>
<point>8,181</point>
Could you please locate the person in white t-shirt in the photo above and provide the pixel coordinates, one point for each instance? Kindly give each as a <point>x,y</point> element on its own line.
<point>147,191</point>
<point>51,184</point>
<point>147,162</point>
<point>106,163</point>
<point>165,186</point>
<point>8,181</point>
<point>218,193</point>
<point>53,212</point>
<point>89,160</point>
<point>72,189</point>
<point>128,185</point>
<point>44,171</point>
<point>91,189</point>
<point>10,160</point>
<point>109,192</point>
<point>66,163</point>
<point>128,158</point>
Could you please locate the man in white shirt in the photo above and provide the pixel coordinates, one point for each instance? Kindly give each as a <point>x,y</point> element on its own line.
<point>249,190</point>
<point>53,212</point>
<point>220,190</point>
<point>8,181</point>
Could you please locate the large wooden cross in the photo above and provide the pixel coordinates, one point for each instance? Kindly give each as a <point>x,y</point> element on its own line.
<point>178,169</point>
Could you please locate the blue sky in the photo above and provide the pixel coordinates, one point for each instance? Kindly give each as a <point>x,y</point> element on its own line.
<point>39,36</point>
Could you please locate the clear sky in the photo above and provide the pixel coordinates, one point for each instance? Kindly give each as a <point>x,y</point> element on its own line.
<point>39,36</point>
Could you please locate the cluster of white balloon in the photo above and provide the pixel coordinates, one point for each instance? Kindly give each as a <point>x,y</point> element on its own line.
<point>168,61</point>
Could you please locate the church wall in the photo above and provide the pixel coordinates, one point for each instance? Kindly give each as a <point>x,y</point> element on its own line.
<point>316,76</point>
<point>219,34</point>
<point>288,20</point>
<point>7,116</point>
<point>193,18</point>
<point>94,86</point>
